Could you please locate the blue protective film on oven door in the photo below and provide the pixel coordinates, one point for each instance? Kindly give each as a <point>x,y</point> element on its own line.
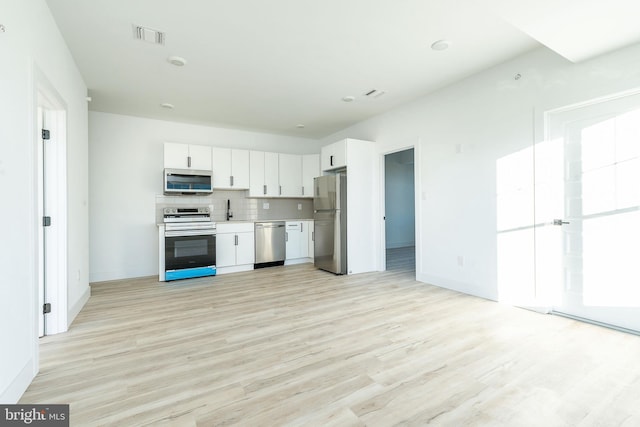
<point>189,273</point>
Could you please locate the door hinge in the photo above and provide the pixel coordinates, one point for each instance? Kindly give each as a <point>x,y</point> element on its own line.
<point>46,308</point>
<point>46,221</point>
<point>46,134</point>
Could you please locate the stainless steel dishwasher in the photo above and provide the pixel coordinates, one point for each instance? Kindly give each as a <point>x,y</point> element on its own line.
<point>270,243</point>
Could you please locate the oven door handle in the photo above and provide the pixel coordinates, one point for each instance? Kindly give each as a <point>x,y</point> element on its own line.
<point>184,233</point>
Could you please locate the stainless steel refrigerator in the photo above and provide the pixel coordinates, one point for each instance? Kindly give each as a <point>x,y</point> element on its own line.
<point>330,222</point>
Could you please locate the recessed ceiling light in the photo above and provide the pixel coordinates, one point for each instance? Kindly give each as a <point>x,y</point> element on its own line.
<point>178,61</point>
<point>167,105</point>
<point>300,126</point>
<point>441,45</point>
<point>349,98</point>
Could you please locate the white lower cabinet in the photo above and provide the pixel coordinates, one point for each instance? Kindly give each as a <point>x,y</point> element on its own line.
<point>298,237</point>
<point>293,238</point>
<point>235,247</point>
<point>311,235</point>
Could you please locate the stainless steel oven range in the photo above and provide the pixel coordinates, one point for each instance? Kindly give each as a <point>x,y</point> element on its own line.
<point>189,243</point>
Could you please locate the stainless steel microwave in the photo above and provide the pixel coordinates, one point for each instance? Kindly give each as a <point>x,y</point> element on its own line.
<point>187,181</point>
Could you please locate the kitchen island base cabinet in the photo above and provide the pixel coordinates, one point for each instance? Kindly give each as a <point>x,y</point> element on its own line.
<point>235,247</point>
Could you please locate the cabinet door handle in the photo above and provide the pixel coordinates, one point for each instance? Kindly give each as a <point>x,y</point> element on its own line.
<point>331,160</point>
<point>313,236</point>
<point>264,189</point>
<point>236,243</point>
<point>280,190</point>
<point>231,180</point>
<point>303,190</point>
<point>188,161</point>
<point>286,236</point>
<point>301,227</point>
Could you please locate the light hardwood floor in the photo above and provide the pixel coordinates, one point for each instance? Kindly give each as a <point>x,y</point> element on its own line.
<point>300,347</point>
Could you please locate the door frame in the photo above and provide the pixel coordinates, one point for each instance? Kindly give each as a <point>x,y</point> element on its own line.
<point>47,98</point>
<point>383,152</point>
<point>574,113</point>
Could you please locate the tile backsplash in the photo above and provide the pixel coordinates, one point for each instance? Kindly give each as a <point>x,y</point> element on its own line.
<point>242,207</point>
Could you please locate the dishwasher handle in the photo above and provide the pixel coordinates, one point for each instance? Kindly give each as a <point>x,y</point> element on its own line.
<point>259,225</point>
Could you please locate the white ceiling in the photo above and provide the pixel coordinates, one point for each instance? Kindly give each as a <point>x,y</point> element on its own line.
<point>271,65</point>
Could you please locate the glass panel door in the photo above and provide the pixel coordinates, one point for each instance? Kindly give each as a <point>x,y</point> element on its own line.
<point>587,207</point>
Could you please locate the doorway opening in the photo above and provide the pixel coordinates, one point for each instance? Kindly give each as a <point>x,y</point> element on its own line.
<point>51,209</point>
<point>399,211</point>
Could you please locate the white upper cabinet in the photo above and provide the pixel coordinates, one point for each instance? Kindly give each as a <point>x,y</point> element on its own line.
<point>230,168</point>
<point>240,169</point>
<point>263,179</point>
<point>310,170</point>
<point>271,174</point>
<point>264,174</point>
<point>221,161</point>
<point>334,156</point>
<point>257,187</point>
<point>187,156</point>
<point>290,175</point>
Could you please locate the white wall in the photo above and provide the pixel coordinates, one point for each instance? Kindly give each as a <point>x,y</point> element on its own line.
<point>126,163</point>
<point>461,131</point>
<point>399,200</point>
<point>32,42</point>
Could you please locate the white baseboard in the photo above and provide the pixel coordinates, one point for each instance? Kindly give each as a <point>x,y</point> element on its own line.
<point>461,287</point>
<point>77,307</point>
<point>19,385</point>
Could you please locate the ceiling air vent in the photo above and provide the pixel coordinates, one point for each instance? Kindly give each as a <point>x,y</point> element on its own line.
<point>148,35</point>
<point>375,93</point>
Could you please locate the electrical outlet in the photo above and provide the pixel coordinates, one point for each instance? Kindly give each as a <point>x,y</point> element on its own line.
<point>299,206</point>
<point>265,205</point>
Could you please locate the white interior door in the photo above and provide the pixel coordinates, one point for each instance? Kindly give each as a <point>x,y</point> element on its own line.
<point>588,212</point>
